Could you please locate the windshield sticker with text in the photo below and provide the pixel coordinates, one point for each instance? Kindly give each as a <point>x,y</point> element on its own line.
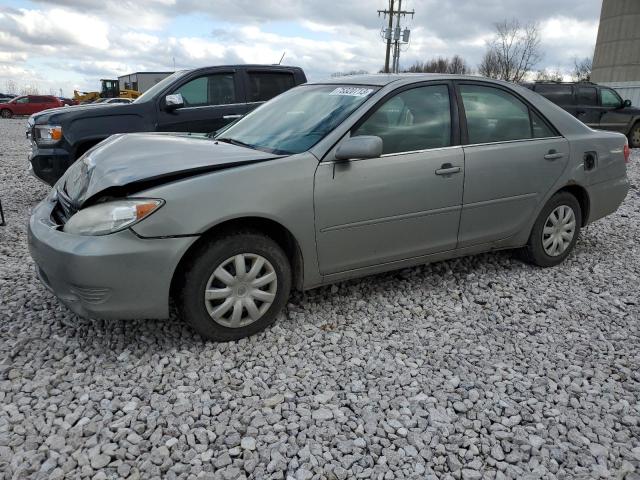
<point>352,91</point>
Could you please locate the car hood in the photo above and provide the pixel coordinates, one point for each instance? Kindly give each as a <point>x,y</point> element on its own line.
<point>128,163</point>
<point>53,115</point>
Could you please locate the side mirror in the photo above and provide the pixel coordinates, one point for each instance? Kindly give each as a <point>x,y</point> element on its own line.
<point>173,101</point>
<point>626,104</point>
<point>364,146</point>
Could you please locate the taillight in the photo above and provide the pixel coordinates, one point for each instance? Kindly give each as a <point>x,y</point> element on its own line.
<point>627,153</point>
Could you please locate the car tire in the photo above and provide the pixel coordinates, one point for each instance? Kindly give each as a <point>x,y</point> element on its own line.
<point>634,136</point>
<point>551,243</point>
<point>215,268</point>
<point>6,113</point>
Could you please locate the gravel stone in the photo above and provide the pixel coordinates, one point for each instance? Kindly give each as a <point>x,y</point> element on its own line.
<point>248,443</point>
<point>478,367</point>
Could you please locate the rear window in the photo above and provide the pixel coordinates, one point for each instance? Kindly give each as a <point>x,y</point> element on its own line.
<point>587,96</point>
<point>560,94</point>
<point>264,86</point>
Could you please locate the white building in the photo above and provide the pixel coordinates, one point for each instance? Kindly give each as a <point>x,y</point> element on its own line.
<point>141,81</point>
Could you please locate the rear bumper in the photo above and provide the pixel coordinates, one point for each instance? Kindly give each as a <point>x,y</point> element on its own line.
<point>606,197</point>
<point>118,276</point>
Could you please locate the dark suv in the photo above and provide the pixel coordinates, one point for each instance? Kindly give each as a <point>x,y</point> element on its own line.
<point>200,101</point>
<point>597,106</point>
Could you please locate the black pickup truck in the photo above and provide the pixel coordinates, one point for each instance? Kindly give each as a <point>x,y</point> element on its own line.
<point>201,100</point>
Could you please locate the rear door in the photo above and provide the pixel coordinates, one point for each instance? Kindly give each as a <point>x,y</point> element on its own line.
<point>263,85</point>
<point>512,159</point>
<point>587,109</point>
<point>211,100</point>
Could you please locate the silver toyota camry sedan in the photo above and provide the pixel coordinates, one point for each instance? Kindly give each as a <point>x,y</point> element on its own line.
<point>326,182</point>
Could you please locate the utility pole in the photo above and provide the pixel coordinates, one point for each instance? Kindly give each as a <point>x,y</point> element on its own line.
<point>388,36</point>
<point>397,36</point>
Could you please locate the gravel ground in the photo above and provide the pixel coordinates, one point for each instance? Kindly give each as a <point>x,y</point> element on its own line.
<point>475,368</point>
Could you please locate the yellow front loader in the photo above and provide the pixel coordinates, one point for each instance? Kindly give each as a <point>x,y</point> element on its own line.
<point>110,89</point>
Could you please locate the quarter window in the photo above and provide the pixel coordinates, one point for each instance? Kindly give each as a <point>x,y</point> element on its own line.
<point>494,115</point>
<point>610,98</point>
<point>416,119</point>
<point>218,89</point>
<point>264,86</point>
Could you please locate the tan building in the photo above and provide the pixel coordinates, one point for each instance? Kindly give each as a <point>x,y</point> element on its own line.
<point>616,61</point>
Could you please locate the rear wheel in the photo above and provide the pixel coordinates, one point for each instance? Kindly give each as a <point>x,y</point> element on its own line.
<point>634,136</point>
<point>555,232</point>
<point>6,113</point>
<point>235,286</point>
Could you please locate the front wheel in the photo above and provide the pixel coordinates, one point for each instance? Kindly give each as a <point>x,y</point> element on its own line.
<point>555,232</point>
<point>6,113</point>
<point>235,286</point>
<point>634,136</point>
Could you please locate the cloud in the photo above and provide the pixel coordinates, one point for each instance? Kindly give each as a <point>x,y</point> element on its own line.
<point>80,41</point>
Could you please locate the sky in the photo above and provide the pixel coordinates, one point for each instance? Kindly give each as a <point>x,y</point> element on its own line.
<point>72,44</point>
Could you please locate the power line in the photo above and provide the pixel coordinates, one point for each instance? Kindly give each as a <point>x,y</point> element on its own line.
<point>395,36</point>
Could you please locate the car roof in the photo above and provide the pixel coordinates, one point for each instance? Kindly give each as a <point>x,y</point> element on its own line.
<point>383,79</point>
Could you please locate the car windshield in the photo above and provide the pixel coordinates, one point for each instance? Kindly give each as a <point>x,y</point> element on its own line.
<point>149,94</point>
<point>298,119</point>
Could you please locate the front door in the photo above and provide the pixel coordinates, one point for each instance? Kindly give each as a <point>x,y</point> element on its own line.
<point>613,116</point>
<point>21,106</point>
<point>211,101</point>
<point>402,205</point>
<point>512,159</point>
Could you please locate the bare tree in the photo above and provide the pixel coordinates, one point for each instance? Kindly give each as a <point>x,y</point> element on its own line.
<point>11,87</point>
<point>548,75</point>
<point>454,65</point>
<point>490,65</point>
<point>513,52</point>
<point>458,66</point>
<point>582,69</point>
<point>30,90</point>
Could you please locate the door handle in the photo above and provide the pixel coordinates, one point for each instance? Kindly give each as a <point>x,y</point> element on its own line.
<point>580,112</point>
<point>231,117</point>
<point>553,155</point>
<point>448,169</point>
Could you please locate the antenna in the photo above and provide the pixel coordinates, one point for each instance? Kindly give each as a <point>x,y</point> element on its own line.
<point>282,57</point>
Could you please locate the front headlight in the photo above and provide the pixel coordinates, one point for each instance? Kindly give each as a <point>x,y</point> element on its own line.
<point>48,134</point>
<point>111,217</point>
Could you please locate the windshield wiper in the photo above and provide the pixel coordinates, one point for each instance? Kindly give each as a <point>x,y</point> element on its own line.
<point>238,143</point>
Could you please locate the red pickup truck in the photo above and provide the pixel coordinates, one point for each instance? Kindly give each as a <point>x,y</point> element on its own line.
<point>28,105</point>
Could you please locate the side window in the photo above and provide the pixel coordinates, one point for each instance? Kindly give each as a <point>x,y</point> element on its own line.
<point>416,119</point>
<point>539,128</point>
<point>194,93</point>
<point>22,100</point>
<point>222,89</point>
<point>494,115</point>
<point>265,85</point>
<point>587,96</point>
<point>218,89</point>
<point>610,98</point>
<point>558,94</point>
